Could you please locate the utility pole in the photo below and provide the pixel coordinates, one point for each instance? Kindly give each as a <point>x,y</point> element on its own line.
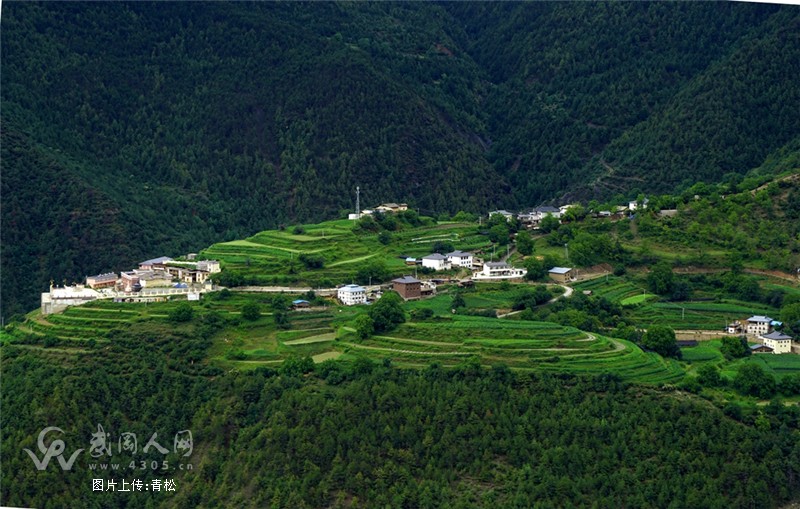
<point>566,250</point>
<point>358,202</point>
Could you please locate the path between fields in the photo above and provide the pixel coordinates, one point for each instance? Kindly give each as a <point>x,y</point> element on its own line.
<point>758,272</point>
<point>618,345</point>
<point>413,352</point>
<point>418,341</point>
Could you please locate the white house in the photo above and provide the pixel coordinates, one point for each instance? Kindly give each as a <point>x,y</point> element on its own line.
<point>436,261</point>
<point>539,213</point>
<point>757,325</point>
<point>499,270</point>
<point>734,328</point>
<point>633,205</point>
<point>779,342</point>
<point>58,299</point>
<point>352,294</point>
<point>459,259</point>
<point>211,266</point>
<point>564,208</point>
<point>392,207</point>
<point>508,215</point>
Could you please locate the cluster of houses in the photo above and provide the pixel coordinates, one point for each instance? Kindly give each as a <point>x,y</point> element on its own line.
<point>154,280</point>
<point>156,273</point>
<point>408,287</point>
<point>464,260</point>
<point>384,208</point>
<point>533,217</point>
<point>763,329</point>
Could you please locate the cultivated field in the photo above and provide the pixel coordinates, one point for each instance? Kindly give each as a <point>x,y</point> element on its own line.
<point>326,334</point>
<point>273,257</point>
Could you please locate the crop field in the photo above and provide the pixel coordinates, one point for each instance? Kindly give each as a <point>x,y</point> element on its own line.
<point>636,299</point>
<point>518,344</point>
<point>779,365</point>
<point>707,351</point>
<point>322,335</point>
<point>273,257</point>
<point>614,289</point>
<point>697,315</point>
<point>792,290</point>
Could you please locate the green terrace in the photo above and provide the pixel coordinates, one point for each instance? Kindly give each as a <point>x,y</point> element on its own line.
<point>646,309</point>
<point>697,315</point>
<point>615,289</point>
<point>518,344</point>
<point>274,257</point>
<point>325,334</point>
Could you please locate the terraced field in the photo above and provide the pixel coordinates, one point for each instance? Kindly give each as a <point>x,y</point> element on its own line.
<point>614,288</point>
<point>521,345</point>
<point>645,311</point>
<point>697,315</point>
<point>273,257</point>
<point>326,334</point>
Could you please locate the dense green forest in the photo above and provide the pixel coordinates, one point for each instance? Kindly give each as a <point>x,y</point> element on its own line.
<point>364,434</point>
<point>131,130</point>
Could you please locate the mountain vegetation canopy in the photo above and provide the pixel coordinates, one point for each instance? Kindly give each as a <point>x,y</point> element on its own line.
<point>131,129</point>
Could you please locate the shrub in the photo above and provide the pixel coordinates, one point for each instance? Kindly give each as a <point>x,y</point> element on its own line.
<point>251,311</point>
<point>752,380</point>
<point>421,314</point>
<point>183,312</point>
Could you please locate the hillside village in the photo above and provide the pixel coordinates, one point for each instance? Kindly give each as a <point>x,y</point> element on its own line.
<point>154,280</point>
<point>164,278</point>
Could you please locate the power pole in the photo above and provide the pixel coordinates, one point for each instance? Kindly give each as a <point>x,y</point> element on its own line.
<point>358,202</point>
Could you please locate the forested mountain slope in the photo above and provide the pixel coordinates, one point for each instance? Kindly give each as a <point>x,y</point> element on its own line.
<point>160,128</point>
<point>360,434</point>
<point>647,96</point>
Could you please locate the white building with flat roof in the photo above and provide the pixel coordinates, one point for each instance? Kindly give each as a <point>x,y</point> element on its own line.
<point>499,270</point>
<point>352,294</point>
<point>59,299</point>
